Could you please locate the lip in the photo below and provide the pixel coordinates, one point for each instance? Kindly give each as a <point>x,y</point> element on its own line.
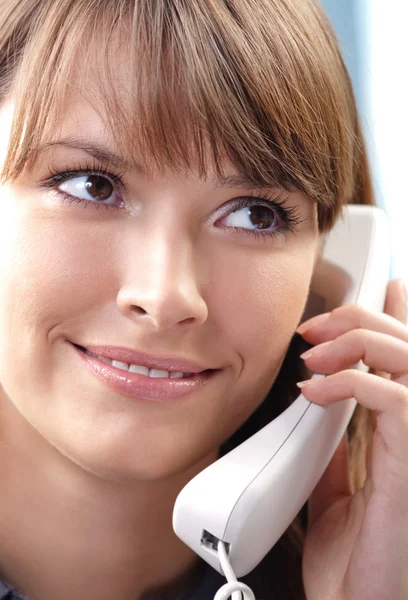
<point>134,357</point>
<point>139,386</point>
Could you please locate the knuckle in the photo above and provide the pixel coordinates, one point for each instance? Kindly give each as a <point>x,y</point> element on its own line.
<point>357,335</point>
<point>351,376</point>
<point>355,375</point>
<point>356,340</point>
<point>354,312</point>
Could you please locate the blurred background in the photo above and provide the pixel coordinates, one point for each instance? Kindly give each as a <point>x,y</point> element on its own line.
<point>374,40</point>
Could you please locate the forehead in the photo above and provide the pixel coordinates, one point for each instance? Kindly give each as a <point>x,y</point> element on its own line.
<point>83,126</point>
<point>157,111</point>
<point>162,107</point>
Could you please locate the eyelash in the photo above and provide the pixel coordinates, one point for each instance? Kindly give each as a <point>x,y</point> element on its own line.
<point>288,214</point>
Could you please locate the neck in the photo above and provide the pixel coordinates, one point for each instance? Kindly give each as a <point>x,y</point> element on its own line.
<point>66,533</point>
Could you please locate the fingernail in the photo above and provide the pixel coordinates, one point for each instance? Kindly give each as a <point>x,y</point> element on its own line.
<point>303,383</point>
<point>313,322</point>
<point>306,354</point>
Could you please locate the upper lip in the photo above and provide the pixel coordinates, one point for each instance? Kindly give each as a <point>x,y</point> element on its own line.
<point>130,356</point>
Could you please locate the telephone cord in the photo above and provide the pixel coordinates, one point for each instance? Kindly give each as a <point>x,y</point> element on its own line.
<point>233,587</point>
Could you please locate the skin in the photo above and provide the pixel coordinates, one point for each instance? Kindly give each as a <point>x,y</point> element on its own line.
<point>356,543</point>
<point>92,475</point>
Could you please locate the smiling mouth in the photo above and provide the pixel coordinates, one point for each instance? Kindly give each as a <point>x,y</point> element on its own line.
<point>142,369</point>
<point>142,383</point>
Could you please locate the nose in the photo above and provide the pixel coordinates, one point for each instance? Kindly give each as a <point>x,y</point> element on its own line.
<point>161,287</point>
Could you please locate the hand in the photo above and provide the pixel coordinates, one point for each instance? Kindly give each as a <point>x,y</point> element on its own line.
<point>356,546</point>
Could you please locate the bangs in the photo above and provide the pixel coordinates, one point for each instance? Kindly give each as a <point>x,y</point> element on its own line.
<point>193,85</point>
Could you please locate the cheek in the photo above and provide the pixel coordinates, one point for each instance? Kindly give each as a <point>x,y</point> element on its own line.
<point>48,276</point>
<point>49,266</point>
<point>259,307</point>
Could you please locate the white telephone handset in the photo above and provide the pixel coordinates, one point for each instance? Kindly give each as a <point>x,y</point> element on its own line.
<point>249,497</point>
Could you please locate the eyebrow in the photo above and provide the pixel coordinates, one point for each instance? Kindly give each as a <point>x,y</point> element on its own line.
<point>94,149</point>
<point>242,181</point>
<point>110,158</point>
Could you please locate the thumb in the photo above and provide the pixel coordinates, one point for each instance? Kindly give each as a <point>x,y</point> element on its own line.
<point>334,483</point>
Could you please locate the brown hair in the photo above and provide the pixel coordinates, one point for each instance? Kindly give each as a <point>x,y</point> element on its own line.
<point>259,82</point>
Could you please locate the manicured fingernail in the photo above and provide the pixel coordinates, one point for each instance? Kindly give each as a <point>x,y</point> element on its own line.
<point>302,384</point>
<point>306,354</point>
<point>313,322</point>
<point>316,350</point>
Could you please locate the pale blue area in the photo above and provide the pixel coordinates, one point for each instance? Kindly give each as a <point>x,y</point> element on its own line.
<point>350,19</point>
<point>347,17</point>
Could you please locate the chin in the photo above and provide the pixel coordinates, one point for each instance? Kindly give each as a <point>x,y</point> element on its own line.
<point>140,463</point>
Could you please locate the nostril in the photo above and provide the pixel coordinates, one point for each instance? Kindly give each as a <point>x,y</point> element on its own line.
<point>138,310</point>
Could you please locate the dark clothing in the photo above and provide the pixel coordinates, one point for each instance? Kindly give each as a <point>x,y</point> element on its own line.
<point>9,593</point>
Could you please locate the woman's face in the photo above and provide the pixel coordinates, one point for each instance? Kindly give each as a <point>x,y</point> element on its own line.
<point>171,266</point>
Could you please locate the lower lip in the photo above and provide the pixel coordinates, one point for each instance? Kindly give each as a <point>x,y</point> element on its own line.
<point>143,387</point>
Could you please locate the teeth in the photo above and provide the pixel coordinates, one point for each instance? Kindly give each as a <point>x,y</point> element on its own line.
<point>120,365</point>
<point>158,373</point>
<point>154,373</point>
<point>178,375</point>
<point>138,369</point>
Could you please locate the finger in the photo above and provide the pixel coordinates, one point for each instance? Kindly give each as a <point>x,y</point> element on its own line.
<point>395,306</point>
<point>396,303</point>
<point>376,350</point>
<point>389,398</point>
<point>331,325</point>
<point>334,484</point>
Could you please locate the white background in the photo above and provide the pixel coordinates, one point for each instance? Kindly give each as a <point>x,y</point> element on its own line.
<point>387,110</point>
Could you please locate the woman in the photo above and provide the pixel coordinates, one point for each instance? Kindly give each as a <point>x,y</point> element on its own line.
<point>169,171</point>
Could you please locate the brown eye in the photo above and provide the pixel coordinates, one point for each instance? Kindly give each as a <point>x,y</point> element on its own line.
<point>252,216</point>
<point>98,187</point>
<point>92,187</point>
<point>262,216</point>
